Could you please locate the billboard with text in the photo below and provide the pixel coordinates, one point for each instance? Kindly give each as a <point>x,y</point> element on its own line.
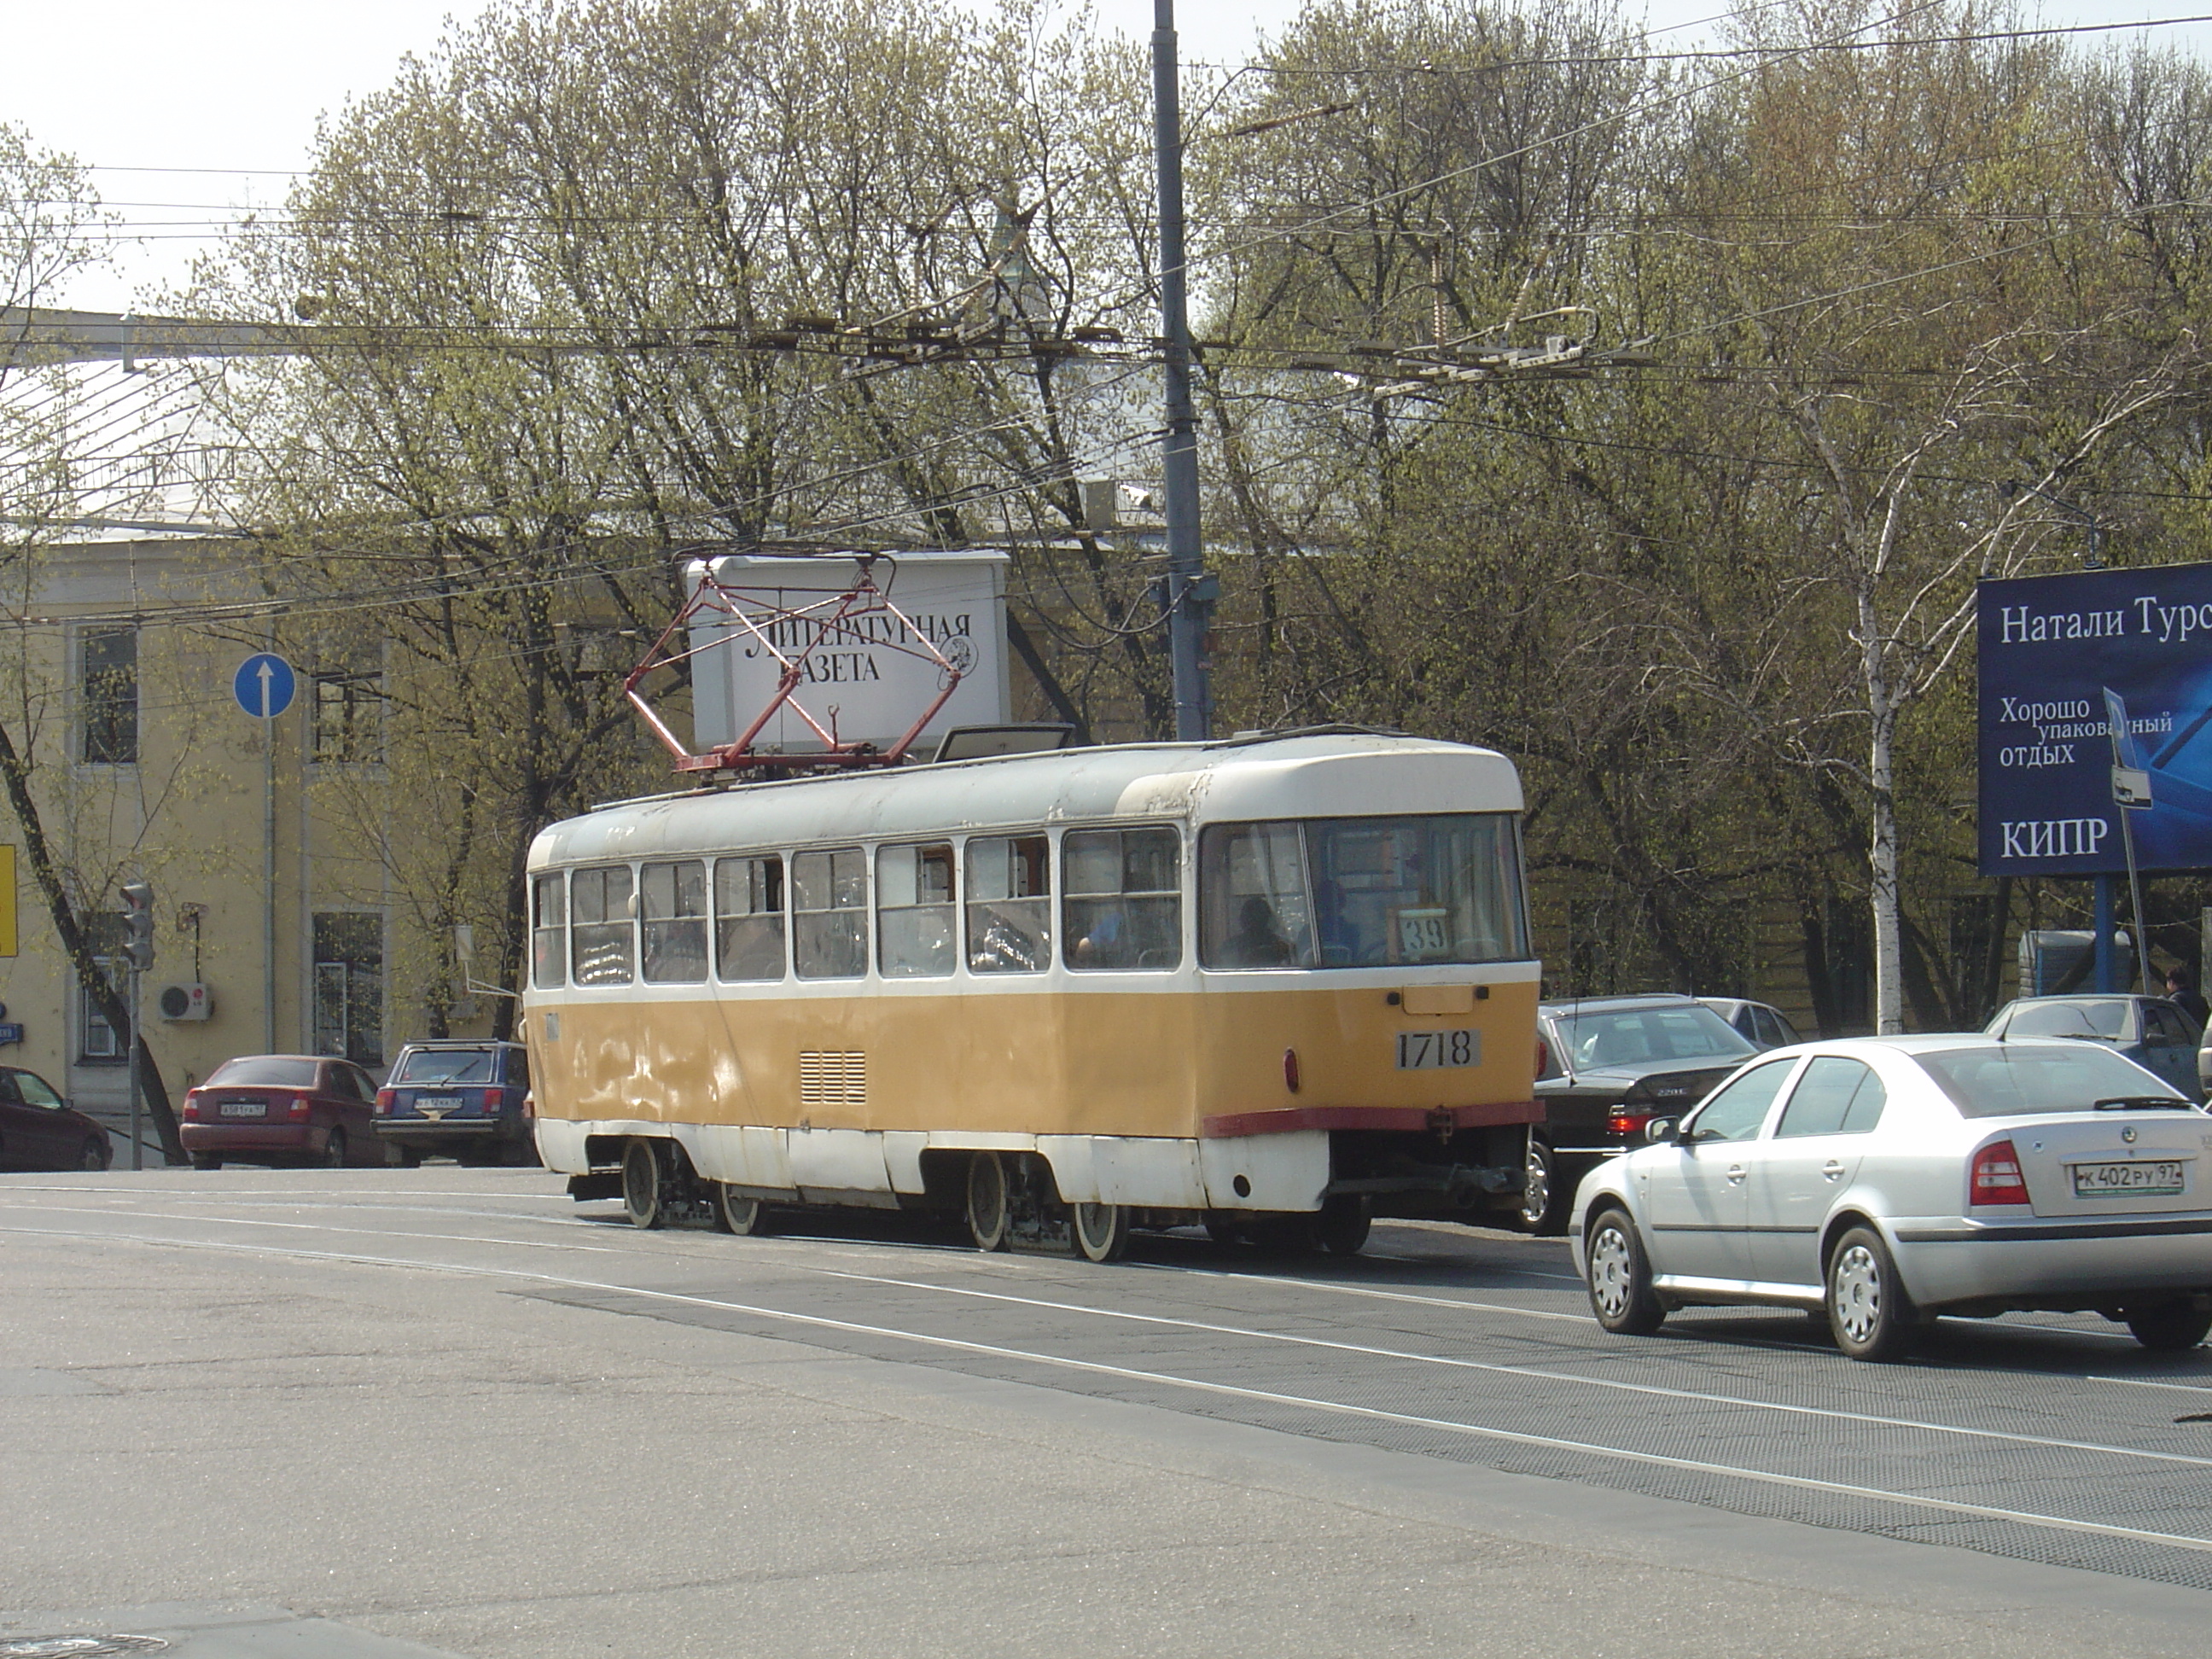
<point>2063,660</point>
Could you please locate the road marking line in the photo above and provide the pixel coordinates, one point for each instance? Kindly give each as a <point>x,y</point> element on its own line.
<point>320,1227</point>
<point>2142,1383</point>
<point>1497,1369</point>
<point>1363,1289</point>
<point>1767,1477</point>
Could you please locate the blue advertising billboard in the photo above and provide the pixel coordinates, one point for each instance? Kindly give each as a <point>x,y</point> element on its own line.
<point>2063,660</point>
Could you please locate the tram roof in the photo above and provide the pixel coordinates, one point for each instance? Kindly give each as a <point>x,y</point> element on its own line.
<point>1324,774</point>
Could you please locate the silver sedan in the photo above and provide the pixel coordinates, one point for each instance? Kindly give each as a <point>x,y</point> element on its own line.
<point>1891,1180</point>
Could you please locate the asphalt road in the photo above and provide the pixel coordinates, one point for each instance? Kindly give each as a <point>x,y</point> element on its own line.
<point>449,1408</point>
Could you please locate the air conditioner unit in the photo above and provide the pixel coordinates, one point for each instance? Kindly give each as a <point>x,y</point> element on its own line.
<point>184,1002</point>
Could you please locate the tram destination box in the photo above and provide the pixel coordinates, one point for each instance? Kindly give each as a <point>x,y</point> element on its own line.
<point>957,599</point>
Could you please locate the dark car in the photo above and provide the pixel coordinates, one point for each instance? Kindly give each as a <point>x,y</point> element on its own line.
<point>2158,1036</point>
<point>39,1130</point>
<point>1761,1024</point>
<point>1607,1067</point>
<point>467,1098</point>
<point>282,1109</point>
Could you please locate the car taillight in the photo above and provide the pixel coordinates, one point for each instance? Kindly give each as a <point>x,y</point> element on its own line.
<point>1995,1176</point>
<point>1543,1057</point>
<point>191,1105</point>
<point>302,1106</point>
<point>383,1103</point>
<point>529,1105</point>
<point>491,1100</point>
<point>1627,1119</point>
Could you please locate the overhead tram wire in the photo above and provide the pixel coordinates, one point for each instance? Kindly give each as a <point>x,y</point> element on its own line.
<point>1706,53</point>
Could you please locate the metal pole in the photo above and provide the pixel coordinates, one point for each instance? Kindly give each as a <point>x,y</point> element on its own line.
<point>2106,973</point>
<point>268,875</point>
<point>137,1145</point>
<point>2139,978</point>
<point>1187,605</point>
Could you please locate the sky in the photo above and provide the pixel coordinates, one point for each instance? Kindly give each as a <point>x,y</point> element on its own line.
<point>193,113</point>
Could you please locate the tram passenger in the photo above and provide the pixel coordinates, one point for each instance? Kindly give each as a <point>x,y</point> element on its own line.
<point>1258,941</point>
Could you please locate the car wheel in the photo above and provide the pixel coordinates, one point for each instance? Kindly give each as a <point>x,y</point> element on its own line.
<point>207,1161</point>
<point>1543,1196</point>
<point>1618,1276</point>
<point>95,1157</point>
<point>641,1185</point>
<point>334,1150</point>
<point>2169,1327</point>
<point>735,1213</point>
<point>1868,1312</point>
<point>986,1202</point>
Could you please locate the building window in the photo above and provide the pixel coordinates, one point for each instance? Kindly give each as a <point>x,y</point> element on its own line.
<point>107,693</point>
<point>349,718</point>
<point>96,1039</point>
<point>350,985</point>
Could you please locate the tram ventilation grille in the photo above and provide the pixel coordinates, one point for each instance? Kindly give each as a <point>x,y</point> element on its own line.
<point>829,1077</point>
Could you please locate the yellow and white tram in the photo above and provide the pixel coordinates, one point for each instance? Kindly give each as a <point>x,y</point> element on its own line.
<point>1280,984</point>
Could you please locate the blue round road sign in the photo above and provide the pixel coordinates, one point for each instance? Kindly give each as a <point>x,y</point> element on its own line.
<point>264,685</point>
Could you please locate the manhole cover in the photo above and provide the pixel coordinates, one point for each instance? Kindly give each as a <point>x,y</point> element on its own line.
<point>76,1647</point>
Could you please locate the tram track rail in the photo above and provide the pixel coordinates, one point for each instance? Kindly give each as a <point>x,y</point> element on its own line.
<point>1484,1381</point>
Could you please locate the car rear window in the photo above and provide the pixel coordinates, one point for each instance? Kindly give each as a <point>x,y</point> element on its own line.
<point>2106,1019</point>
<point>2013,1081</point>
<point>446,1065</point>
<point>267,1071</point>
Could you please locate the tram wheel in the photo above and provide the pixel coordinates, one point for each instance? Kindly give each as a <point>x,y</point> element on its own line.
<point>987,1209</point>
<point>1344,1226</point>
<point>735,1213</point>
<point>1100,1231</point>
<point>641,1185</point>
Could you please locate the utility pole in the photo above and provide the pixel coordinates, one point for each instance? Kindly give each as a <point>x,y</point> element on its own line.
<point>1189,595</point>
<point>138,947</point>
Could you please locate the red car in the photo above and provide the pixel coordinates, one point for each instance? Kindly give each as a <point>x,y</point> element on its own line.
<point>283,1108</point>
<point>40,1131</point>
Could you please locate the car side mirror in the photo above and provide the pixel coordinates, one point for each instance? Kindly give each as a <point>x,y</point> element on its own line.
<point>1662,1131</point>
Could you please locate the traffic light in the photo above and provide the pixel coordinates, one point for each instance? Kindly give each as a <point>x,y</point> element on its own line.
<point>138,924</point>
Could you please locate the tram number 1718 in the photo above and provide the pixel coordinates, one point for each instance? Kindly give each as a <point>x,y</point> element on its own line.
<point>1421,1051</point>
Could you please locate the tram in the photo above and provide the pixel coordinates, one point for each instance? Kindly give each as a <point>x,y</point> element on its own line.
<point>1276,986</point>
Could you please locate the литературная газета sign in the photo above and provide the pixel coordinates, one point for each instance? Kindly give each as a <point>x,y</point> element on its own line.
<point>2063,658</point>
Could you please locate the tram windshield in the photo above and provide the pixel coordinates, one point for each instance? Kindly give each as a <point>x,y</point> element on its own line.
<point>1361,892</point>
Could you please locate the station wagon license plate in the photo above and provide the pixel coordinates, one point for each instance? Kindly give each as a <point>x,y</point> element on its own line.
<point>243,1108</point>
<point>437,1105</point>
<point>2152,1177</point>
<point>1424,1051</point>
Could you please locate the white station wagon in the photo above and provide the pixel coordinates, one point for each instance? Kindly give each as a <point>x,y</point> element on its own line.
<point>1892,1180</point>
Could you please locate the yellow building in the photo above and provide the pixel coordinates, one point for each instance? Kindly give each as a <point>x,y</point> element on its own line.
<point>278,850</point>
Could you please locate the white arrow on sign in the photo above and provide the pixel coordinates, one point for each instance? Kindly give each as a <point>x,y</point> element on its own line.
<point>265,673</point>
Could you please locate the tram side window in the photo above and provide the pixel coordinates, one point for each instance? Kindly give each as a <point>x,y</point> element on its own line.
<point>602,938</point>
<point>1009,904</point>
<point>549,931</point>
<point>672,909</point>
<point>1252,910</point>
<point>1121,899</point>
<point>915,916</point>
<point>749,918</point>
<point>830,913</point>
